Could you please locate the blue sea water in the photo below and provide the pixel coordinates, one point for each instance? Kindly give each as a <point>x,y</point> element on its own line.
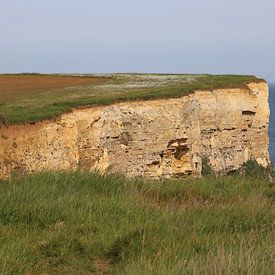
<point>272,123</point>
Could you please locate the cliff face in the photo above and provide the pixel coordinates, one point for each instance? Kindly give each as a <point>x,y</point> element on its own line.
<point>157,139</point>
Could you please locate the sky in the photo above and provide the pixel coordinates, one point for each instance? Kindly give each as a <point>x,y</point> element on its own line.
<point>167,36</point>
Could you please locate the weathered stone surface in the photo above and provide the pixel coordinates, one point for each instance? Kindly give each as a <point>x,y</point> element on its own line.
<point>157,139</point>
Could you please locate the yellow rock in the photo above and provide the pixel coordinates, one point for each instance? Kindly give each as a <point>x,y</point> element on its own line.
<point>155,139</point>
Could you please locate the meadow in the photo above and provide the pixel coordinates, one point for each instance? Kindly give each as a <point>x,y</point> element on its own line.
<point>87,223</point>
<point>33,97</point>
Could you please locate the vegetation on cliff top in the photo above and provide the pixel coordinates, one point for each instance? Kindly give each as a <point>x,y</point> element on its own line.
<point>33,97</point>
<point>80,223</point>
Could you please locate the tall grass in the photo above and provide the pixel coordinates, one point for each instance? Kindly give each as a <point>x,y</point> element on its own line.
<point>80,223</point>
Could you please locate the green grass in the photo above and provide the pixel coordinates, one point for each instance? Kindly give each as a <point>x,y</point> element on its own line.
<point>115,88</point>
<point>80,223</point>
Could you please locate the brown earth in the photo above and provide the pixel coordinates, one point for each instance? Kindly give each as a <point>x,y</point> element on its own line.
<point>14,86</point>
<point>102,266</point>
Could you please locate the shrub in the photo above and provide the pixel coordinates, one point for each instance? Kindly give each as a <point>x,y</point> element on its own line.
<point>206,168</point>
<point>252,169</point>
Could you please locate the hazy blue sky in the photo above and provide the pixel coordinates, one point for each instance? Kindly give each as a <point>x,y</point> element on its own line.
<point>196,36</point>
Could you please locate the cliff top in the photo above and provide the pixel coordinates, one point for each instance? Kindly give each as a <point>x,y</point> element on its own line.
<point>33,97</point>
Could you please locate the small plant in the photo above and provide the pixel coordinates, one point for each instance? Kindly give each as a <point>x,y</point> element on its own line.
<point>206,168</point>
<point>253,169</point>
<point>3,120</point>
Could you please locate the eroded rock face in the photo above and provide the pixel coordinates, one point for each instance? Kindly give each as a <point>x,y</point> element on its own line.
<point>155,139</point>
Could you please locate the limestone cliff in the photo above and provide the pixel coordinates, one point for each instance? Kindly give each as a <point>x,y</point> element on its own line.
<point>162,138</point>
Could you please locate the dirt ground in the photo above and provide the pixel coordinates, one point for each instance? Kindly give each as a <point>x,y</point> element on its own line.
<point>13,86</point>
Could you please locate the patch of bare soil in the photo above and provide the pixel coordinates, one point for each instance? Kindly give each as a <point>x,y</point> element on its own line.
<point>13,86</point>
<point>102,266</point>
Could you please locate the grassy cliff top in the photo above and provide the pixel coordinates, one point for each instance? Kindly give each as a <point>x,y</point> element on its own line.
<point>33,97</point>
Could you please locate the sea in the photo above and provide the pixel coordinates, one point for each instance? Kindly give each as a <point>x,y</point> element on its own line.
<point>272,123</point>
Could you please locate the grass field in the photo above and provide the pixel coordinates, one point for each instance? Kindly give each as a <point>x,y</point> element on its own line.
<point>33,97</point>
<point>81,223</point>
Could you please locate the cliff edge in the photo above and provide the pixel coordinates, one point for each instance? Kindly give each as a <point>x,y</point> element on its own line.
<point>158,138</point>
